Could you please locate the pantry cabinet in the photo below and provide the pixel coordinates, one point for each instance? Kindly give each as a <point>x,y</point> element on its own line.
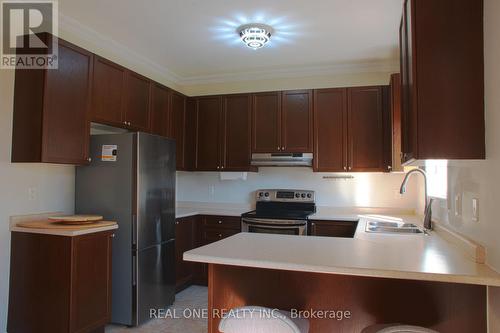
<point>50,122</point>
<point>442,73</point>
<point>352,130</point>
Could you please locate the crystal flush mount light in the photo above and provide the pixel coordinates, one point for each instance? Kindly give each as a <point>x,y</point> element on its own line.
<point>255,35</point>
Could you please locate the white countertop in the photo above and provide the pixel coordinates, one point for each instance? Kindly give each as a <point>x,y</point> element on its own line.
<point>14,220</point>
<point>413,257</point>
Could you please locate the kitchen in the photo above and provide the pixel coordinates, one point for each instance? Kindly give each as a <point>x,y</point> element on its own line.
<point>256,130</point>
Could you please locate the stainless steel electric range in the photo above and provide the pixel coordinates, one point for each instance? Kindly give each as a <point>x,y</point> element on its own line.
<point>280,212</point>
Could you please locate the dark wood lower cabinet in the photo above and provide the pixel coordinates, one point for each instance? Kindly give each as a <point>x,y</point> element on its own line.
<point>184,241</point>
<point>60,284</point>
<point>345,229</point>
<point>196,231</point>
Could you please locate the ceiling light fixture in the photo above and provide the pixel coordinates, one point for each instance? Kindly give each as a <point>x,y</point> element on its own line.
<point>255,35</point>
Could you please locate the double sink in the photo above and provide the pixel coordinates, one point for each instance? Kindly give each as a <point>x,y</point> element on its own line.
<point>390,227</point>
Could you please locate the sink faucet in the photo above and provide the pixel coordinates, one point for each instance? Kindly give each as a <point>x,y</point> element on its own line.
<point>428,203</point>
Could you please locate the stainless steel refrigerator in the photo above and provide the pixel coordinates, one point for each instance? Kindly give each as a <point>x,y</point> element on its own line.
<point>131,180</point>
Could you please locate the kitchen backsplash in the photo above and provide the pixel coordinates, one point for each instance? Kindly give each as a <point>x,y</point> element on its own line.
<point>364,190</point>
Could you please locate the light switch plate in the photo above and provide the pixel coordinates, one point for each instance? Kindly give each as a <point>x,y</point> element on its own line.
<point>458,205</point>
<point>475,210</point>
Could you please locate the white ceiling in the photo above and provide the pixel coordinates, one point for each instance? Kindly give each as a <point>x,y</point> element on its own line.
<point>195,40</point>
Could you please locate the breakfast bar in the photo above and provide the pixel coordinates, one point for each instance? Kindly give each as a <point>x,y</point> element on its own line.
<point>422,280</point>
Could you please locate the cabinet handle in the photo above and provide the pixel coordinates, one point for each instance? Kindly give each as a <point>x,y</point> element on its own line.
<point>389,167</point>
<point>220,235</point>
<point>350,168</point>
<point>222,167</point>
<point>89,159</point>
<point>218,167</point>
<point>283,148</point>
<point>220,222</point>
<point>112,235</point>
<point>345,168</point>
<point>279,148</point>
<point>176,222</point>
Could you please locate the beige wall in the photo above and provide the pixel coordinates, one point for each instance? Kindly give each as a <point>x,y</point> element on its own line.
<point>54,186</point>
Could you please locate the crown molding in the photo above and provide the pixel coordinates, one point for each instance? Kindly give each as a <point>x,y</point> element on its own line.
<point>119,51</point>
<point>294,72</point>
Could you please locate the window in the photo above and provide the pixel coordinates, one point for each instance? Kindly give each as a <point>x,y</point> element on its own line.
<point>437,178</point>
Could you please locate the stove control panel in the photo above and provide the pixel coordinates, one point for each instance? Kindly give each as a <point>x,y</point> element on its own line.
<point>285,195</point>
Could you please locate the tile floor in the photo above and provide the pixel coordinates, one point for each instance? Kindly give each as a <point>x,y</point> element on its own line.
<point>194,299</point>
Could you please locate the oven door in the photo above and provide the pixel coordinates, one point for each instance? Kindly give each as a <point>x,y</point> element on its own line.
<point>274,226</point>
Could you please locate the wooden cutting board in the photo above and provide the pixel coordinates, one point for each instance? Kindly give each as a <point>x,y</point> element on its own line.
<point>48,224</point>
<point>76,219</point>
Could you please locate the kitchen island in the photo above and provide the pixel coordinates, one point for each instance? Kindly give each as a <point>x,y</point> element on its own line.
<point>379,279</point>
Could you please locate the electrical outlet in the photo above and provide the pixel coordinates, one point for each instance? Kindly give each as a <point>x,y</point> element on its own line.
<point>32,193</point>
<point>475,210</point>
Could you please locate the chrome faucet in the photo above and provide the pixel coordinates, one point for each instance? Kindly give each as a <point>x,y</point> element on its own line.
<point>428,203</point>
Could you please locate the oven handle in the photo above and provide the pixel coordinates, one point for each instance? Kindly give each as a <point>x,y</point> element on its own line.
<point>275,222</point>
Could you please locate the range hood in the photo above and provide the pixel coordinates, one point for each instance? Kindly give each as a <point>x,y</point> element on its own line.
<point>283,159</point>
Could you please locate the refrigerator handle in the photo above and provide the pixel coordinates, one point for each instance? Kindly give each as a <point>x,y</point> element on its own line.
<point>134,269</point>
<point>134,231</point>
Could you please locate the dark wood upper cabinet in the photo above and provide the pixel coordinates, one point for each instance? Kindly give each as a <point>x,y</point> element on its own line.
<point>236,143</point>
<point>266,122</point>
<point>367,144</point>
<point>208,157</point>
<point>50,122</point>
<point>177,125</point>
<point>442,68</point>
<point>191,127</point>
<point>297,121</point>
<point>396,122</point>
<point>108,89</point>
<point>160,122</point>
<point>137,101</point>
<point>330,130</point>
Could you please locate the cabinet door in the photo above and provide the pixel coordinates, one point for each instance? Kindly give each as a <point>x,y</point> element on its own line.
<point>345,229</point>
<point>266,122</point>
<point>91,282</point>
<point>297,122</point>
<point>408,110</point>
<point>177,121</point>
<point>190,128</point>
<point>66,131</point>
<point>366,129</point>
<point>107,92</point>
<point>396,122</point>
<point>330,130</point>
<point>137,101</point>
<point>237,132</point>
<point>209,134</point>
<point>159,110</point>
<point>184,241</point>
